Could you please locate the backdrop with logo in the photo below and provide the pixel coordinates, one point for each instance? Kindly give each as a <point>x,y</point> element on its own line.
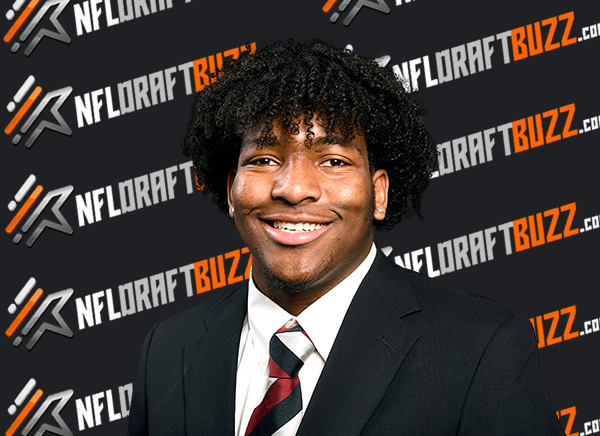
<point>106,233</point>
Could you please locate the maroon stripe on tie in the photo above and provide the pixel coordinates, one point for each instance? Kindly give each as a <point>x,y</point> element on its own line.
<point>275,371</point>
<point>278,391</point>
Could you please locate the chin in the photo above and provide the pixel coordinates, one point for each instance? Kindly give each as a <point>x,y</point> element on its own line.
<point>290,285</point>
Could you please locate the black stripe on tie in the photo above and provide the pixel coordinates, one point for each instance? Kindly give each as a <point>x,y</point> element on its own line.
<point>280,414</point>
<point>284,357</point>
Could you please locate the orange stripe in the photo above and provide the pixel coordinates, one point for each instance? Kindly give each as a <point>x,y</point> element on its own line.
<point>21,316</point>
<point>15,27</point>
<point>329,5</point>
<point>21,213</point>
<point>17,118</point>
<point>26,410</point>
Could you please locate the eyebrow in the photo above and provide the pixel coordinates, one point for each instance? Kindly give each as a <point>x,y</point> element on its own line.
<point>321,141</point>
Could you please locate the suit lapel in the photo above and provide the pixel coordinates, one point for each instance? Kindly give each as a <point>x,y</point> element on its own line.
<point>210,367</point>
<point>372,343</point>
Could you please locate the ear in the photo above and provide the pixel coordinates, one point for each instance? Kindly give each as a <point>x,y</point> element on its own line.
<point>230,179</point>
<point>381,183</point>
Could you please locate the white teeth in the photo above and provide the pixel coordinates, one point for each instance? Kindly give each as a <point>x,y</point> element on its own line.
<point>297,227</point>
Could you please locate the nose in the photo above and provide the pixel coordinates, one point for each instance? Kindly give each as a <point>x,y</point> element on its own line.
<point>296,181</point>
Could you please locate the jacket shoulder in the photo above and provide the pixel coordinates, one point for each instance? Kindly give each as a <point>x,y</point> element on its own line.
<point>436,296</point>
<point>445,309</point>
<point>186,326</point>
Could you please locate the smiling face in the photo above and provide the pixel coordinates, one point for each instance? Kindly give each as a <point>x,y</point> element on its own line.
<point>305,213</point>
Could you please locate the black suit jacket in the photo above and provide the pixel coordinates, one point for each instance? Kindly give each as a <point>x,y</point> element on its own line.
<point>412,357</point>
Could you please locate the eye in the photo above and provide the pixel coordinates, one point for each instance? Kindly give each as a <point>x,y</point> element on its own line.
<point>334,163</point>
<point>264,161</point>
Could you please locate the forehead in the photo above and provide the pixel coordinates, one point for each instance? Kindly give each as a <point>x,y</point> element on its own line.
<point>281,137</point>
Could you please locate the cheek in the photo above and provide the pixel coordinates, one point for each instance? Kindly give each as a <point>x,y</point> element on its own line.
<point>249,192</point>
<point>352,194</point>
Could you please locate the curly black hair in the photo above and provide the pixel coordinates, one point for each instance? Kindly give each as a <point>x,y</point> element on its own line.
<point>291,83</point>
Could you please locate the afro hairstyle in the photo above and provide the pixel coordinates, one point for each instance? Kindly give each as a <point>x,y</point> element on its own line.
<point>292,83</point>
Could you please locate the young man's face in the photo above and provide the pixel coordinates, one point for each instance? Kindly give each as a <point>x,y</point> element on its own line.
<point>305,213</point>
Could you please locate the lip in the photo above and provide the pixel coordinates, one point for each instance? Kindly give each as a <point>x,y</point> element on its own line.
<point>295,218</point>
<point>294,238</point>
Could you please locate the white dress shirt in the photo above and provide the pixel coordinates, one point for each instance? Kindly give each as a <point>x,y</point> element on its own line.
<point>321,321</point>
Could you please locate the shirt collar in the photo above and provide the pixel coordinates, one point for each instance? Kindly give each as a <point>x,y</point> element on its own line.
<point>321,320</point>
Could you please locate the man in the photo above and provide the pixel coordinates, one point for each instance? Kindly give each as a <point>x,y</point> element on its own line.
<point>307,148</point>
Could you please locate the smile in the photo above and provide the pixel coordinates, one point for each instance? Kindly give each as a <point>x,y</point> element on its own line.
<point>297,227</point>
<point>287,233</point>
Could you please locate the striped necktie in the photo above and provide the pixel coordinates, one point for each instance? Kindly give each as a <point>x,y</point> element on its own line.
<point>279,412</point>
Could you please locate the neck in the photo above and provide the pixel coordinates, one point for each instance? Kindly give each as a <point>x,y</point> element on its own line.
<point>295,297</point>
